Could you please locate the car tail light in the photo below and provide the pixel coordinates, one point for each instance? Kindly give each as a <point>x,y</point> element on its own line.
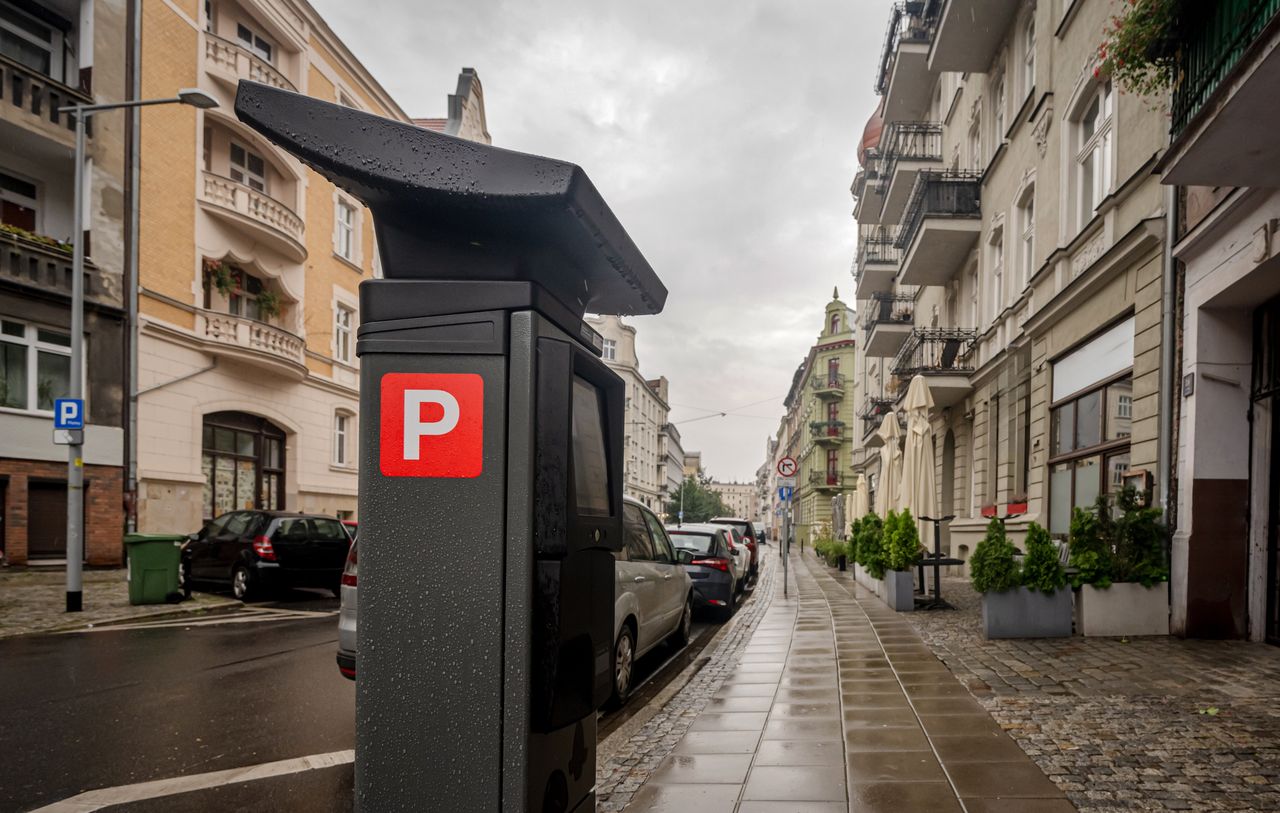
<point>347,671</point>
<point>718,564</point>
<point>349,569</point>
<point>262,547</point>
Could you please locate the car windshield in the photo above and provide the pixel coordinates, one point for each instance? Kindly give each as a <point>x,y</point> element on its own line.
<point>691,541</point>
<point>742,529</point>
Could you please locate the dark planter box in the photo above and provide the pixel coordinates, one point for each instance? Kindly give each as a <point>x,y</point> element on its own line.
<point>1026,613</point>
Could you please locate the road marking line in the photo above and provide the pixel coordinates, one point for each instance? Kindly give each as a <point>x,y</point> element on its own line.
<point>106,797</point>
<point>244,617</point>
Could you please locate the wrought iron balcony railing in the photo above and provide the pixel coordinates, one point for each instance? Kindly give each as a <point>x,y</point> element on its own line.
<point>872,412</point>
<point>827,431</point>
<point>909,141</point>
<point>878,244</point>
<point>940,194</point>
<point>826,479</point>
<point>827,382</point>
<point>896,308</point>
<point>936,351</point>
<point>1213,45</point>
<point>910,21</point>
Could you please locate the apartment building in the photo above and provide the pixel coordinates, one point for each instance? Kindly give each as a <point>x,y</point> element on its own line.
<point>249,264</point>
<point>52,54</point>
<point>740,499</point>
<point>1010,252</point>
<point>815,431</point>
<point>1224,163</point>
<point>644,460</point>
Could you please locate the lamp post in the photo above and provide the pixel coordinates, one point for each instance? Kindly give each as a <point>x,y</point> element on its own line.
<point>75,462</point>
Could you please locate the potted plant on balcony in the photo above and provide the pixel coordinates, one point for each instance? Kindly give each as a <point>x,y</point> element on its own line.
<point>902,553</point>
<point>221,277</point>
<point>1118,554</point>
<point>1142,44</point>
<point>269,304</point>
<point>1031,601</point>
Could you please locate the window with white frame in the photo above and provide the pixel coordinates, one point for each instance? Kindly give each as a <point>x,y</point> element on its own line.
<point>995,252</point>
<point>1029,53</point>
<point>975,143</point>
<point>610,350</point>
<point>1027,238</point>
<point>345,231</point>
<point>32,42</point>
<point>342,423</point>
<point>1094,157</point>
<point>997,108</point>
<point>343,319</point>
<point>35,366</point>
<point>210,17</point>
<point>19,202</point>
<point>254,42</point>
<point>248,168</point>
<point>974,288</point>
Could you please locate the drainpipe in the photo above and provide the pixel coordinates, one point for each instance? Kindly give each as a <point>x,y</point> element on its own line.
<point>1168,379</point>
<point>133,135</point>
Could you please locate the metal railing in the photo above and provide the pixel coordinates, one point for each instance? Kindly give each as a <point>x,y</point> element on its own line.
<point>940,194</point>
<point>910,21</point>
<point>828,381</point>
<point>872,412</point>
<point>827,430</point>
<point>909,141</point>
<point>826,479</point>
<point>39,265</point>
<point>1216,37</point>
<point>39,95</point>
<point>936,351</point>
<point>896,308</point>
<point>877,244</point>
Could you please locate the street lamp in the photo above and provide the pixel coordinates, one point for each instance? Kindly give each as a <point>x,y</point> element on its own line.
<point>75,464</point>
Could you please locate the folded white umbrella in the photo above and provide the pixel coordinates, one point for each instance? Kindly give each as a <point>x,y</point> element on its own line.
<point>917,487</point>
<point>861,505</point>
<point>890,465</point>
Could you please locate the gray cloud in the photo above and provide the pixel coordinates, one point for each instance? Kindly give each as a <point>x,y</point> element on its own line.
<point>722,132</point>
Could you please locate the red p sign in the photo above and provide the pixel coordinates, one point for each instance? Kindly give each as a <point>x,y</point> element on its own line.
<point>432,425</point>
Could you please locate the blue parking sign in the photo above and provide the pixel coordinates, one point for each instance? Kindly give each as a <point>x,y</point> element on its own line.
<point>68,413</point>
<point>784,493</point>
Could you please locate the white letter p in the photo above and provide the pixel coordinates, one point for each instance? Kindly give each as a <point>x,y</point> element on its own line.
<point>414,427</point>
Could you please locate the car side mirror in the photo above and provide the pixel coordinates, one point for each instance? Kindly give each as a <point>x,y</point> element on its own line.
<point>685,557</point>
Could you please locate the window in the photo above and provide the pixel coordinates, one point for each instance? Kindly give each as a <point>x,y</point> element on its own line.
<point>343,317</point>
<point>345,234</point>
<point>995,245</point>
<point>341,426</point>
<point>35,366</point>
<point>31,42</point>
<point>610,350</point>
<point>835,323</point>
<point>210,17</point>
<point>993,450</point>
<point>254,42</point>
<point>248,168</point>
<point>997,108</point>
<point>1094,157</point>
<point>1027,240</point>
<point>243,298</point>
<point>19,202</point>
<point>1029,54</point>
<point>243,464</point>
<point>975,143</point>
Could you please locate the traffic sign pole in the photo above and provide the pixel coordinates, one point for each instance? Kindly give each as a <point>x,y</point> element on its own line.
<point>75,451</point>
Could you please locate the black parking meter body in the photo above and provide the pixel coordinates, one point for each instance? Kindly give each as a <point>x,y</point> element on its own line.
<point>491,441</point>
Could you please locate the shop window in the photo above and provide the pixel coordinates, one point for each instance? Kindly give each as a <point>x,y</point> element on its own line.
<point>242,463</point>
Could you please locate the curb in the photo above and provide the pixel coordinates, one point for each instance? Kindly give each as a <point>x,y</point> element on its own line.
<point>219,607</point>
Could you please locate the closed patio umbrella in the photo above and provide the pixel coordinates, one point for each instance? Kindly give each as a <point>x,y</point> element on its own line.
<point>861,505</point>
<point>917,488</point>
<point>890,465</point>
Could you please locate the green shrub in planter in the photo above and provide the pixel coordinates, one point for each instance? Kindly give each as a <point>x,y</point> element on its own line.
<point>871,545</point>
<point>902,544</point>
<point>1118,540</point>
<point>992,567</point>
<point>1041,568</point>
<point>854,531</point>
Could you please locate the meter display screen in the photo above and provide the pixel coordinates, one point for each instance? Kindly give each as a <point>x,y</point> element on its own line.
<point>590,463</point>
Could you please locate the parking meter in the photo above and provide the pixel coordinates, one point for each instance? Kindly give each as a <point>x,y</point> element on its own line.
<point>491,439</point>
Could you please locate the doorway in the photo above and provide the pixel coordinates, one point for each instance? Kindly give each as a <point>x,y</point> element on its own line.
<point>948,487</point>
<point>1266,402</point>
<point>47,519</point>
<point>243,464</point>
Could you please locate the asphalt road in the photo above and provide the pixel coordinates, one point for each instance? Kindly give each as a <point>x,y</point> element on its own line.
<point>102,709</point>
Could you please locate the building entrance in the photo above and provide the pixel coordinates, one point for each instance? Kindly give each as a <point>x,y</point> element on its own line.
<point>243,464</point>
<point>1266,405</point>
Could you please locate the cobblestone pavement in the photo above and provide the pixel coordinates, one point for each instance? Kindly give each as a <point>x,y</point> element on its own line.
<point>1126,724</point>
<point>35,601</point>
<point>631,763</point>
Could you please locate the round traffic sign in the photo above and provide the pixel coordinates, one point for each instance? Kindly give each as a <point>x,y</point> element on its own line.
<point>787,467</point>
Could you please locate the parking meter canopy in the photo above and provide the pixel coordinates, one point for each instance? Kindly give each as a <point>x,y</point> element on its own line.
<point>443,204</point>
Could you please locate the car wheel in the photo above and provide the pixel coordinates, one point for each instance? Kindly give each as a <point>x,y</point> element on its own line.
<point>730,607</point>
<point>241,583</point>
<point>624,661</point>
<point>684,631</point>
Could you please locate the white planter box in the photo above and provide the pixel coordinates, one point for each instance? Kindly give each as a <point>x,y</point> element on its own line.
<point>1026,613</point>
<point>1123,609</point>
<point>899,590</point>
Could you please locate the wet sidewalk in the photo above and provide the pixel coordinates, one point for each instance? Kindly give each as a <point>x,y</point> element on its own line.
<point>837,705</point>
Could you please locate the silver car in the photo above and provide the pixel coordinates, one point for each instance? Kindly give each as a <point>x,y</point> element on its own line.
<point>653,601</point>
<point>347,616</point>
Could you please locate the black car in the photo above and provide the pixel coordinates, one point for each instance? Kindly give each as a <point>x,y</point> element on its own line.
<point>256,551</point>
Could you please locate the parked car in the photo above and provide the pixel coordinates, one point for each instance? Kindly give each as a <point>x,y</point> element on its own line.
<point>747,532</point>
<point>257,551</point>
<point>706,553</point>
<point>347,615</point>
<point>353,527</point>
<point>653,601</point>
<point>739,557</point>
<point>762,533</point>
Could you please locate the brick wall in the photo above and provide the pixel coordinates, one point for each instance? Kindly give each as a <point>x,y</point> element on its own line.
<point>103,509</point>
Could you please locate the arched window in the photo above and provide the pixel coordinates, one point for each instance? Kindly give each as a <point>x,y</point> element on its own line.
<point>835,323</point>
<point>243,464</point>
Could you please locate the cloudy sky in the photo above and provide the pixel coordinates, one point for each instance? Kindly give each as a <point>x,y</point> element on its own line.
<point>722,132</point>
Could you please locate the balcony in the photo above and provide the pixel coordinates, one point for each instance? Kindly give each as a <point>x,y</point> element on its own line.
<point>888,322</point>
<point>874,408</point>
<point>912,146</point>
<point>827,433</point>
<point>877,261</point>
<point>1224,115</point>
<point>903,78</point>
<point>829,385</point>
<point>941,226</point>
<point>230,62</point>
<point>868,198</point>
<point>37,98</point>
<point>944,356</point>
<point>276,224</point>
<point>826,480</point>
<point>259,343</point>
<point>27,259</point>
<point>967,34</point>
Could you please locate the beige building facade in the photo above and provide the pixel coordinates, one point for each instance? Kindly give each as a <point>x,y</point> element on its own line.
<point>1010,251</point>
<point>249,268</point>
<point>740,499</point>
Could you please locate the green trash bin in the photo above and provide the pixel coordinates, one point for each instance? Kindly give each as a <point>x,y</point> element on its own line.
<point>154,563</point>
